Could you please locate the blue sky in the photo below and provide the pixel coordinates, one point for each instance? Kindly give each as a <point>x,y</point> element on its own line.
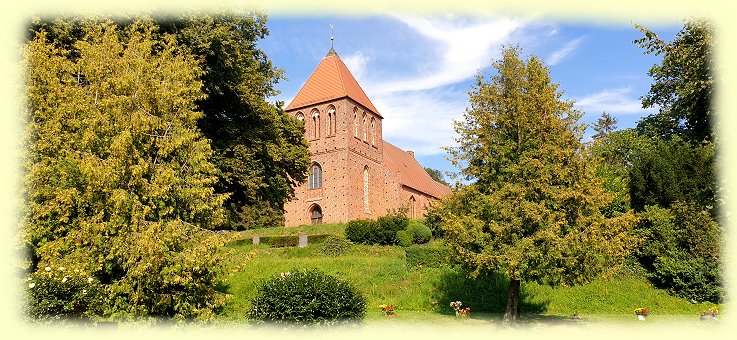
<point>417,70</point>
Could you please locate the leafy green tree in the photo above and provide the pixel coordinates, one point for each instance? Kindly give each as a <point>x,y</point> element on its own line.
<point>436,175</point>
<point>533,210</point>
<point>683,83</point>
<point>260,151</point>
<point>117,178</point>
<point>673,170</point>
<point>604,125</point>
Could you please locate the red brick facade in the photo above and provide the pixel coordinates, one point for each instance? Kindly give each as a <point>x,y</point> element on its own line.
<point>360,175</point>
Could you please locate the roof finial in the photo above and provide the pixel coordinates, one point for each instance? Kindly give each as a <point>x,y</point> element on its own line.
<point>332,51</point>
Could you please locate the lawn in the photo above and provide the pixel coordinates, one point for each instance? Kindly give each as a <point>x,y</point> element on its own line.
<point>423,294</point>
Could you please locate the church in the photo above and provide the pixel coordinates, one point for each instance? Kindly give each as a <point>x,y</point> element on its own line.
<point>355,173</point>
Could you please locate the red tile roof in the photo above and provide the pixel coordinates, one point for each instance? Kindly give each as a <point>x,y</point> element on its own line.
<point>411,173</point>
<point>331,80</point>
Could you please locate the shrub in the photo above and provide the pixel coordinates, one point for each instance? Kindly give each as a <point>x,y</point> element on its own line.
<point>358,231</point>
<point>383,231</point>
<point>432,221</point>
<point>61,292</point>
<point>420,233</point>
<point>335,246</point>
<point>424,256</point>
<point>307,297</point>
<point>681,250</point>
<point>404,238</point>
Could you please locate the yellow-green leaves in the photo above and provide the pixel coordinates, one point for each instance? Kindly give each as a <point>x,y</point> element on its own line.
<point>119,180</point>
<point>533,208</point>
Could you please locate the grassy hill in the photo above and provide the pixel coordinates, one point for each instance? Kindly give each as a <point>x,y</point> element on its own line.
<point>424,293</point>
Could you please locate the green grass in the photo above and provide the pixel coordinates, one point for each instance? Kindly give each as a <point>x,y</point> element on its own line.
<point>423,294</point>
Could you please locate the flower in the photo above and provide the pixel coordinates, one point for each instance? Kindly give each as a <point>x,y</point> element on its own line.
<point>456,305</point>
<point>31,285</point>
<point>89,280</point>
<point>387,309</point>
<point>61,268</point>
<point>48,268</point>
<point>642,311</point>
<point>64,279</point>
<point>284,275</point>
<point>713,311</point>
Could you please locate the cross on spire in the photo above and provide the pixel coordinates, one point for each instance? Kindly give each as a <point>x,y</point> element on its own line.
<point>332,51</point>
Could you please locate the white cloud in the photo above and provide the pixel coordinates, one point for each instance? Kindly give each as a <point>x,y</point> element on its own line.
<point>614,101</point>
<point>421,121</point>
<point>564,52</point>
<point>356,63</point>
<point>463,48</point>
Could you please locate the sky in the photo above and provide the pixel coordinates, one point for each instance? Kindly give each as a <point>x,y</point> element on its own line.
<point>417,70</point>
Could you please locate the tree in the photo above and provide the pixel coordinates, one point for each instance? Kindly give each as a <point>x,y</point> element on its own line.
<point>436,175</point>
<point>533,209</point>
<point>117,178</point>
<point>604,125</point>
<point>259,151</point>
<point>683,84</point>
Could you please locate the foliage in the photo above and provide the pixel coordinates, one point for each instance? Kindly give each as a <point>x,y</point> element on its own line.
<point>63,292</point>
<point>307,297</point>
<point>383,231</point>
<point>420,233</point>
<point>683,83</point>
<point>533,210</point>
<point>259,152</point>
<point>117,178</point>
<point>681,250</point>
<point>433,221</point>
<point>673,170</point>
<point>604,125</point>
<point>404,238</point>
<point>428,256</point>
<point>335,246</point>
<point>436,175</point>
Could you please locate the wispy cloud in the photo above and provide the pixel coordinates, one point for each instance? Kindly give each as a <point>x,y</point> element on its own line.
<point>464,47</point>
<point>356,63</point>
<point>564,52</point>
<point>619,101</point>
<point>421,121</point>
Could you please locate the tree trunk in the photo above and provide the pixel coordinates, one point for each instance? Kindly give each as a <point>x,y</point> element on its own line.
<point>511,313</point>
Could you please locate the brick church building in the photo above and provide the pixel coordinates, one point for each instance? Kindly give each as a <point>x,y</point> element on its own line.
<point>355,173</point>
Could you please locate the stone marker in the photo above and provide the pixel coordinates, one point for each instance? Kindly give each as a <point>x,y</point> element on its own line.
<point>256,240</point>
<point>302,241</point>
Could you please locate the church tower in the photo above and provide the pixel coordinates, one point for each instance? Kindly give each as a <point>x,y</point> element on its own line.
<point>347,178</point>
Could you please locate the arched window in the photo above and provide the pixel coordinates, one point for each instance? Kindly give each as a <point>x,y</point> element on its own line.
<point>315,214</point>
<point>331,121</point>
<point>315,124</point>
<point>300,117</point>
<point>366,190</point>
<point>373,131</point>
<point>363,127</point>
<point>315,178</point>
<point>411,207</point>
<point>355,122</point>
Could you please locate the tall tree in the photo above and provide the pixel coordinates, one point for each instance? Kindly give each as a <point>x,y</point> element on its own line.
<point>259,150</point>
<point>533,210</point>
<point>436,175</point>
<point>604,125</point>
<point>683,84</point>
<point>117,177</point>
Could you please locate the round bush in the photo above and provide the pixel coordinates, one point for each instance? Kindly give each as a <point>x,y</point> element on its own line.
<point>307,297</point>
<point>420,233</point>
<point>359,231</point>
<point>405,238</point>
<point>335,246</point>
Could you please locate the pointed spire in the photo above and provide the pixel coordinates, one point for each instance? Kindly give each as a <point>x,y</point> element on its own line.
<point>332,50</point>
